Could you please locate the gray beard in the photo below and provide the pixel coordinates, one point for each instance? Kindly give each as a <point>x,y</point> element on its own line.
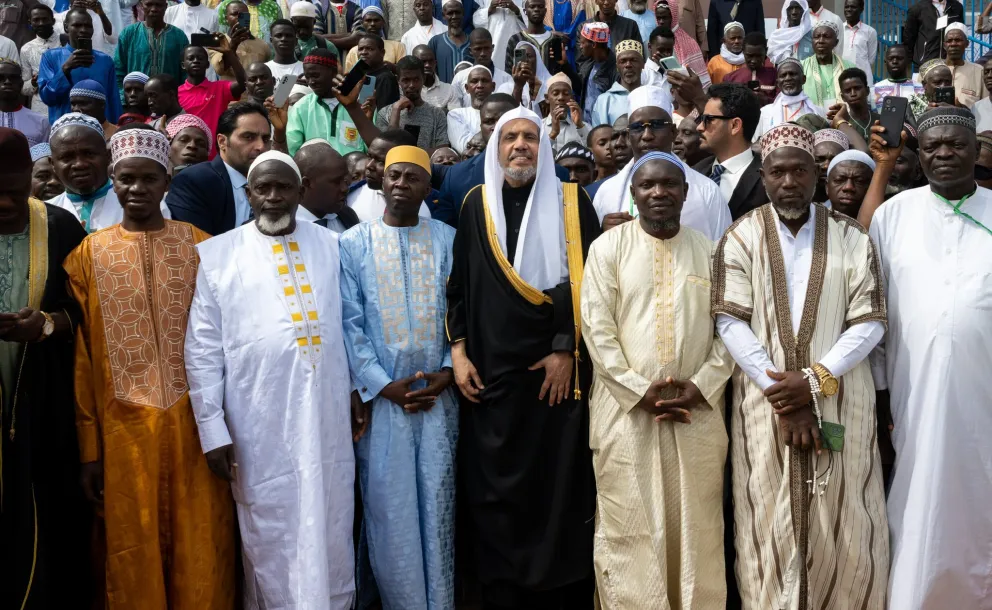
<point>523,174</point>
<point>663,226</point>
<point>790,213</point>
<point>893,189</point>
<point>278,226</point>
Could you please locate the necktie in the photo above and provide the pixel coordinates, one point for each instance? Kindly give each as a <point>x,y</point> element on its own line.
<point>717,172</point>
<point>322,222</point>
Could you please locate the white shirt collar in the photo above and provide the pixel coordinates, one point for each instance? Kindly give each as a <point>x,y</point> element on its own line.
<point>237,179</point>
<point>739,162</point>
<point>437,83</point>
<point>304,214</point>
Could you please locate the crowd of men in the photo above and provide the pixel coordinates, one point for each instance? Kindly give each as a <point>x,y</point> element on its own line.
<point>560,305</point>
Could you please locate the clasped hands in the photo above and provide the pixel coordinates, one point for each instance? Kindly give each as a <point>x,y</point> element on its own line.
<point>672,409</point>
<point>791,398</point>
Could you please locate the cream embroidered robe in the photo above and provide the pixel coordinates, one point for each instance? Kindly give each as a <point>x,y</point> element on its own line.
<point>645,316</point>
<point>797,550</point>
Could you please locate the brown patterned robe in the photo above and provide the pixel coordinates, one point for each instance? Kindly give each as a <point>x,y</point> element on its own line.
<point>169,520</point>
<point>796,549</point>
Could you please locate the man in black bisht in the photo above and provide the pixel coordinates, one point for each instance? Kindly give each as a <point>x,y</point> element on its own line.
<point>44,520</point>
<point>524,456</point>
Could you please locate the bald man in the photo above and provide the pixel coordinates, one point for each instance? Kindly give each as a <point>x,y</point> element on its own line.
<point>325,187</point>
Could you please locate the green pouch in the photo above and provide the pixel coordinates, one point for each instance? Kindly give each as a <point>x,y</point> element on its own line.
<point>832,436</point>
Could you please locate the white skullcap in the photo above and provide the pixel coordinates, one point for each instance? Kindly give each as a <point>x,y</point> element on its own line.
<point>298,88</point>
<point>313,141</point>
<point>649,95</point>
<point>957,25</point>
<point>275,155</point>
<point>732,25</point>
<point>851,155</point>
<point>303,8</point>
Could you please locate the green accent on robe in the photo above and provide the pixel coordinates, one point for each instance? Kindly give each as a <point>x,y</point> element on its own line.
<point>14,256</point>
<point>138,49</point>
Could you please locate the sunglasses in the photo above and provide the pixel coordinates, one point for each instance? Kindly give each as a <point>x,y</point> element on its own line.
<point>706,119</point>
<point>655,125</point>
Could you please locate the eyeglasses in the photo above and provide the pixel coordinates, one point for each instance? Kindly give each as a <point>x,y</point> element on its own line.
<point>655,125</point>
<point>706,119</point>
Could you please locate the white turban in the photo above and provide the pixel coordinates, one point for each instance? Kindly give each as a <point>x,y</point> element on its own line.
<point>275,155</point>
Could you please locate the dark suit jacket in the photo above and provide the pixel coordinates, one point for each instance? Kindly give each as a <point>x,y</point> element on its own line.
<point>750,192</point>
<point>202,195</point>
<point>920,32</point>
<point>455,181</point>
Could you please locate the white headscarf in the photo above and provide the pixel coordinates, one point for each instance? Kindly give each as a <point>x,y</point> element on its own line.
<point>782,40</point>
<point>540,258</point>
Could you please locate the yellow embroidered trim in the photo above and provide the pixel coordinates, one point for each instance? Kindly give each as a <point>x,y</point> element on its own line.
<point>573,250</point>
<point>38,262</point>
<point>533,295</point>
<point>299,298</point>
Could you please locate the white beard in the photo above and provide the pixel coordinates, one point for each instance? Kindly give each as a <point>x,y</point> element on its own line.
<point>791,213</point>
<point>523,174</point>
<point>277,226</point>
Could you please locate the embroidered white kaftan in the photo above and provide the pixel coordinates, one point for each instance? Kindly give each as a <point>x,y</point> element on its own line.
<point>267,371</point>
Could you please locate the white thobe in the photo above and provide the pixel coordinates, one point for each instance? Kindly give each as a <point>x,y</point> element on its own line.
<point>705,209</point>
<point>190,19</point>
<point>774,114</point>
<point>937,363</point>
<point>370,204</point>
<point>268,373</point>
<point>463,123</point>
<point>106,211</point>
<point>421,34</point>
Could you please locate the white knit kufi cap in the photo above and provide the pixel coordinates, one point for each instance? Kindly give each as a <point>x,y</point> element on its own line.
<point>649,95</point>
<point>303,8</point>
<point>275,155</point>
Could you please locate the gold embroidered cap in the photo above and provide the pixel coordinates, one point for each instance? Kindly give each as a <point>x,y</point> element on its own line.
<point>786,135</point>
<point>629,45</point>
<point>408,154</point>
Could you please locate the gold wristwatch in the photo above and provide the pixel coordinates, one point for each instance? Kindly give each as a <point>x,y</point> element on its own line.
<point>828,383</point>
<point>47,328</point>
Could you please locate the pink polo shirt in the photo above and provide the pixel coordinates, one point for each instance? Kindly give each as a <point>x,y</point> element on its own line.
<point>208,100</point>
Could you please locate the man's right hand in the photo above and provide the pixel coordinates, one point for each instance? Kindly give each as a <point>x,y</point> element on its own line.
<point>466,377</point>
<point>91,478</point>
<point>345,98</point>
<point>880,151</point>
<point>652,397</point>
<point>615,220</point>
<point>80,58</point>
<point>221,462</point>
<point>522,74</point>
<point>556,116</point>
